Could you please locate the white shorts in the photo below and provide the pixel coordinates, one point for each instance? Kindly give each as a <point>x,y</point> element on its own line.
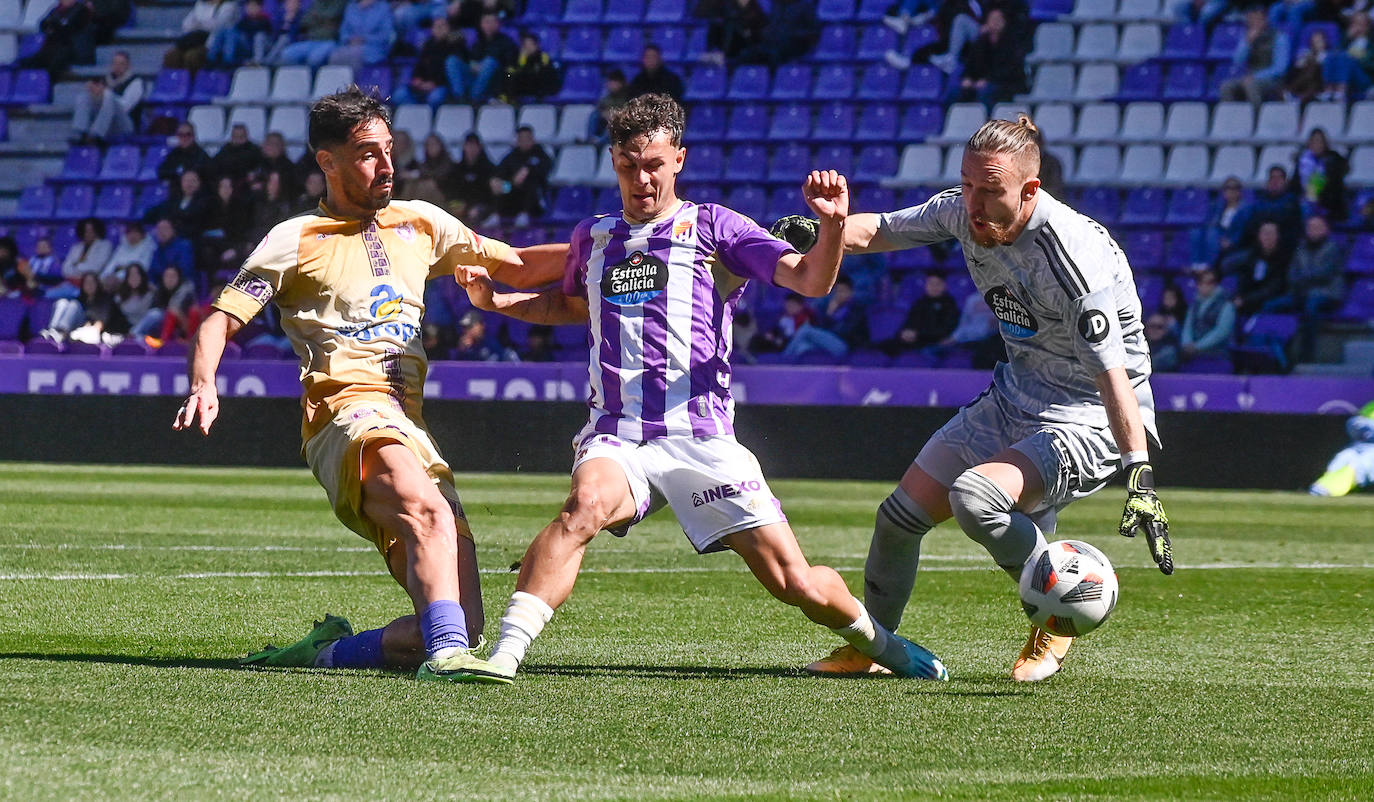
<point>713,484</point>
<point>1075,460</point>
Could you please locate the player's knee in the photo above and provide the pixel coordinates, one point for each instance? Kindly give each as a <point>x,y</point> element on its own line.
<point>977,503</point>
<point>585,513</point>
<point>427,518</point>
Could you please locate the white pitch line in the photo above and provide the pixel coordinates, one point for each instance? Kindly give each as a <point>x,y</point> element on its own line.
<point>141,547</point>
<point>678,570</point>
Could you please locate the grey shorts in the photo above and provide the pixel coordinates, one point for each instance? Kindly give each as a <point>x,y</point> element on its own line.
<point>1075,460</point>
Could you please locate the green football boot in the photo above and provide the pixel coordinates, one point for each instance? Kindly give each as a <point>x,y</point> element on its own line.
<point>303,652</point>
<point>463,667</point>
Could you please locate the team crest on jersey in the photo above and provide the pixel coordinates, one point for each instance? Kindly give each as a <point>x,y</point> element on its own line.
<point>1017,321</point>
<point>406,232</point>
<point>635,280</point>
<point>682,231</point>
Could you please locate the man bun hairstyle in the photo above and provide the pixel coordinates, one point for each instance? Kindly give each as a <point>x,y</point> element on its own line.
<point>333,117</point>
<point>645,116</point>
<point>1020,140</point>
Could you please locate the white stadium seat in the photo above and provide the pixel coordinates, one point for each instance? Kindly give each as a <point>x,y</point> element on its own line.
<point>1053,82</point>
<point>1144,10</point>
<point>1361,167</point>
<point>1237,160</point>
<point>208,122</point>
<point>1139,41</point>
<point>1326,115</point>
<point>330,79</point>
<point>1101,162</point>
<point>1096,42</point>
<point>290,122</point>
<point>1360,127</point>
<point>496,124</point>
<point>291,85</point>
<point>1096,82</point>
<point>572,122</point>
<point>541,117</point>
<point>919,166</point>
<point>1098,122</point>
<point>1232,122</point>
<point>249,85</point>
<point>1055,121</point>
<point>1278,122</point>
<point>575,164</point>
<point>415,119</point>
<point>954,162</point>
<point>1142,164</point>
<point>1085,10</point>
<point>453,123</point>
<point>961,120</point>
<point>1186,122</point>
<point>1143,122</point>
<point>1269,156</point>
<point>1053,42</point>
<point>605,170</point>
<point>1187,166</point>
<point>254,117</point>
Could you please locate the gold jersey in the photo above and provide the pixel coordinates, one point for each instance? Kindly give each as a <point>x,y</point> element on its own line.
<point>351,295</point>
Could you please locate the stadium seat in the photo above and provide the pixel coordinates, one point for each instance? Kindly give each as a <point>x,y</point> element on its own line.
<point>454,121</point>
<point>1090,10</point>
<point>1361,167</point>
<point>878,82</point>
<point>749,82</point>
<point>919,166</point>
<point>1270,155</point>
<point>790,123</point>
<point>706,162</point>
<point>745,163</point>
<point>249,85</point>
<point>833,82</point>
<point>1096,42</point>
<point>415,119</point>
<point>624,12</point>
<point>290,85</point>
<point>748,123</point>
<point>12,313</point>
<point>1142,165</point>
<point>574,164</point>
<point>541,117</point>
<point>875,163</point>
<point>1188,165</point>
<point>920,122</point>
<point>252,117</point>
<point>750,201</point>
<point>581,84</point>
<point>1278,122</point>
<point>121,163</point>
<point>582,12</point>
<point>1143,206</point>
<point>1186,81</point>
<point>1263,346</point>
<point>792,83</point>
<point>571,204</point>
<point>496,124</point>
<point>921,37</point>
<point>207,85</point>
<point>291,122</point>
<point>783,201</point>
<point>170,86</point>
<point>82,163</point>
<point>837,44</point>
<point>872,10</point>
<point>925,82</point>
<point>1186,122</point>
<point>839,158</point>
<point>621,43</point>
<point>1096,82</point>
<point>1231,122</point>
<point>329,79</point>
<point>1361,260</point>
<point>1053,42</point>
<point>1359,301</point>
<point>1326,115</point>
<point>954,161</point>
<point>1052,82</point>
<point>115,202</point>
<point>368,76</point>
<point>1139,41</point>
<point>1141,82</point>
<point>572,123</point>
<point>836,10</point>
<point>874,43</point>
<point>30,87</point>
<point>1185,42</point>
<point>834,122</point>
<point>1102,204</point>
<point>665,11</point>
<point>151,196</point>
<point>74,202</point>
<point>1055,121</point>
<point>543,11</point>
<point>1237,160</point>
<point>581,45</point>
<point>1098,122</point>
<point>152,158</point>
<point>961,120</point>
<point>1188,206</point>
<point>1102,162</point>
<point>208,122</point>
<point>1225,38</point>
<point>1145,249</point>
<point>706,123</point>
<point>706,82</point>
<point>877,123</point>
<point>1359,127</point>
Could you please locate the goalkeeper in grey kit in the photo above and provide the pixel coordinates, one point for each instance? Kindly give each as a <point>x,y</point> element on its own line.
<point>1070,408</point>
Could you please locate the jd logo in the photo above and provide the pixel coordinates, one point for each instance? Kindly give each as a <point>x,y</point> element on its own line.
<point>1093,326</point>
<point>387,305</point>
<point>635,280</point>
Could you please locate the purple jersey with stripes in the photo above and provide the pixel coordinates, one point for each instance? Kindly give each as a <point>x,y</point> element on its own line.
<point>661,298</point>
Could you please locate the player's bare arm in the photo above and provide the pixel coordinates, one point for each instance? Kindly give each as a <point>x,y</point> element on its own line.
<point>533,266</point>
<point>813,274</point>
<point>1143,509</point>
<point>206,352</point>
<point>549,307</point>
<point>862,234</point>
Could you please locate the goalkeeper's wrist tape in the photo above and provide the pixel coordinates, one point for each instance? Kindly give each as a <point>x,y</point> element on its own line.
<point>1140,478</point>
<point>1132,457</point>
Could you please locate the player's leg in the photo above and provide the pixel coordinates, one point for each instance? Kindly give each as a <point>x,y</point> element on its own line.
<point>601,497</point>
<point>989,501</point>
<point>776,560</point>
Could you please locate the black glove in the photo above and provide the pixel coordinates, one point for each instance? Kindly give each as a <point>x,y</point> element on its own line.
<point>1144,511</point>
<point>797,231</point>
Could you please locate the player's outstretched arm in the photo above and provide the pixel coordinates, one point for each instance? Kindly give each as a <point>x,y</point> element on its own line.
<point>533,266</point>
<point>549,307</point>
<point>1143,509</point>
<point>861,233</point>
<point>813,273</point>
<point>203,402</point>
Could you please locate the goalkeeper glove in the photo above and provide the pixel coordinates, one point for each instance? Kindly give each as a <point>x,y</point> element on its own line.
<point>797,231</point>
<point>1144,511</point>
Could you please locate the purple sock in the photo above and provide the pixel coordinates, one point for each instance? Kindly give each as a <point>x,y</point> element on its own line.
<point>444,625</point>
<point>363,650</point>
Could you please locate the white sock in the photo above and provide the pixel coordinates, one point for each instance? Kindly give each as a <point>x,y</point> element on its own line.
<point>871,638</point>
<point>325,659</point>
<point>525,618</point>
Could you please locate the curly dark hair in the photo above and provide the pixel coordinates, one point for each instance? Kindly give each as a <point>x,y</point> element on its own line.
<point>333,117</point>
<point>645,116</point>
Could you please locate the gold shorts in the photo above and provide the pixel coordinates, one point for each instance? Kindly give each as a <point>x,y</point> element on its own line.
<point>335,457</point>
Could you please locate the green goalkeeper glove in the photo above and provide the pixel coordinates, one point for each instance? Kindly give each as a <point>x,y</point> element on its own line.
<point>797,231</point>
<point>1144,511</point>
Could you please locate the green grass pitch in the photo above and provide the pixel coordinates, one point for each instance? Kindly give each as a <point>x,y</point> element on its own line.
<point>126,593</point>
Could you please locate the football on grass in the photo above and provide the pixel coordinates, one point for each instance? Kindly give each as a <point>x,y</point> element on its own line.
<point>1068,587</point>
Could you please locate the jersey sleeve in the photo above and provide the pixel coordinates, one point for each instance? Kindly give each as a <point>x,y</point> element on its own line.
<point>575,269</point>
<point>743,246</point>
<point>456,244</point>
<point>266,273</point>
<point>936,220</point>
<point>1085,291</point>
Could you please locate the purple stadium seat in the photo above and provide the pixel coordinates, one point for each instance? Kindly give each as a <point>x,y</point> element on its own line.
<point>208,85</point>
<point>1187,207</point>
<point>82,163</point>
<point>582,12</point>
<point>152,158</point>
<point>380,76</point>
<point>1331,29</point>
<point>835,10</point>
<point>872,10</point>
<point>581,84</point>
<point>6,84</point>
<point>914,359</point>
<point>921,37</point>
<point>543,11</point>
<point>177,348</point>
<point>749,201</point>
<point>661,11</point>
<point>1184,43</point>
<point>131,347</point>
<point>921,121</point>
<point>74,202</point>
<point>793,82</point>
<point>706,82</point>
<point>1049,10</point>
<point>874,42</point>
<point>1263,346</point>
<point>704,193</point>
<point>706,123</point>
<point>878,82</point>
<point>581,45</point>
<point>35,203</point>
<point>624,12</point>
<point>875,163</point>
<point>41,345</point>
<point>12,314</point>
<point>748,123</point>
<point>749,82</point>
<point>8,347</point>
<point>745,163</point>
<point>1144,206</point>
<point>672,41</point>
<point>834,82</point>
<point>1144,249</point>
<point>1359,301</point>
<point>869,358</point>
<point>839,158</point>
<point>790,123</point>
<point>923,82</point>
<point>788,164</point>
<point>884,322</point>
<point>115,202</point>
<point>877,123</point>
<point>40,315</point>
<point>1361,259</point>
<point>696,43</point>
<point>607,200</point>
<point>4,125</point>
<point>913,196</point>
<point>170,86</point>
<point>621,42</point>
<point>1225,38</point>
<point>837,44</point>
<point>705,162</point>
<point>818,358</point>
<point>876,199</point>
<point>1101,204</point>
<point>75,348</point>
<point>264,351</point>
<point>121,163</point>
<point>63,238</point>
<point>834,122</point>
<point>571,204</point>
<point>1187,80</point>
<point>783,201</point>
<point>1141,82</point>
<point>30,87</point>
<point>152,195</point>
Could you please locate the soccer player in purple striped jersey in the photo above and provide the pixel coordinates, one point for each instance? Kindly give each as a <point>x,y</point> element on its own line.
<point>658,284</point>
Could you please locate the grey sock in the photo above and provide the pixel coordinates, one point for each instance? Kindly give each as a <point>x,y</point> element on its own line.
<point>988,515</point>
<point>893,557</point>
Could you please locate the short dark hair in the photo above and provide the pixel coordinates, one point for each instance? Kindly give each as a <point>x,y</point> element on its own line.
<point>645,116</point>
<point>333,117</point>
<point>615,74</point>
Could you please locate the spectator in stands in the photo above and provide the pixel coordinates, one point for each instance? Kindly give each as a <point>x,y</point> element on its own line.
<point>1163,342</point>
<point>791,33</point>
<point>1319,176</point>
<point>1172,305</point>
<point>45,271</point>
<point>68,38</point>
<point>795,315</point>
<point>1278,204</point>
<point>1200,12</point>
<point>429,180</point>
<point>931,320</point>
<point>1051,168</point>
<point>839,326</point>
<point>410,15</point>
<point>1224,229</point>
<point>135,248</point>
<point>1211,319</point>
<point>174,296</point>
<point>441,56</point>
<point>469,13</point>
<point>86,317</point>
<point>238,157</point>
<point>249,39</point>
<point>171,251</point>
<point>521,180</point>
<point>108,16</point>
<point>475,344</point>
<point>134,295</point>
<point>366,34</point>
<point>272,203</point>
<point>1259,270</point>
<point>189,209</point>
<point>91,251</point>
<point>469,189</point>
<point>1357,43</point>
<point>1291,14</point>
<point>180,320</point>
<point>206,19</point>
<point>312,192</point>
<point>958,23</point>
<point>733,26</point>
<point>976,333</point>
<point>994,65</point>
<point>313,33</point>
<point>231,219</point>
<point>1316,283</point>
<point>187,154</point>
<point>538,346</point>
<point>654,78</point>
<point>275,160</point>
<point>905,13</point>
<point>614,94</point>
<point>1305,79</point>
<point>106,108</point>
<point>491,54</point>
<point>533,75</point>
<point>10,277</point>
<point>1263,54</point>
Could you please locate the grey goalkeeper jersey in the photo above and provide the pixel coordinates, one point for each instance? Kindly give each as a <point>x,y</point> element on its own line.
<point>1065,300</point>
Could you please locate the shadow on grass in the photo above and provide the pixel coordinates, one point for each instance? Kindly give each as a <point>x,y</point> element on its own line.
<point>126,660</point>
